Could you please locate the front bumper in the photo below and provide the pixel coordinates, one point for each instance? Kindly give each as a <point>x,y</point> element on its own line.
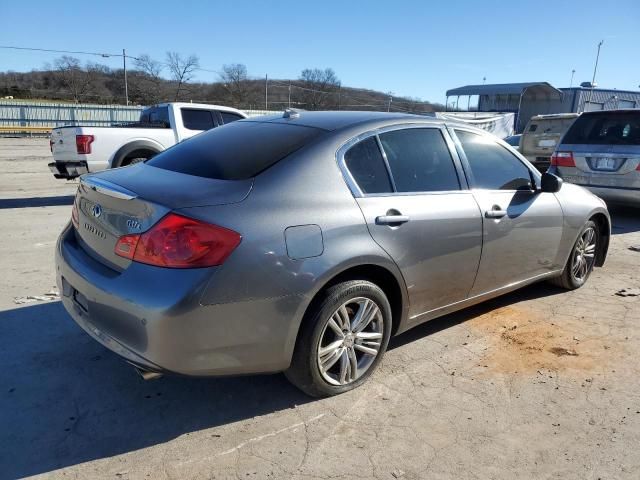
<point>153,318</point>
<point>68,170</point>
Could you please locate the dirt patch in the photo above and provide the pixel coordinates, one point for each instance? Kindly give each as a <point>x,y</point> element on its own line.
<point>524,341</point>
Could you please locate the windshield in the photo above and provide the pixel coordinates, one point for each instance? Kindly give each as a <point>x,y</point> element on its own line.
<point>607,128</point>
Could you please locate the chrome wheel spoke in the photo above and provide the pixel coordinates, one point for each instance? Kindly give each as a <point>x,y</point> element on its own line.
<point>335,326</point>
<point>330,360</point>
<point>366,313</point>
<point>344,367</point>
<point>366,349</point>
<point>353,363</point>
<point>369,336</point>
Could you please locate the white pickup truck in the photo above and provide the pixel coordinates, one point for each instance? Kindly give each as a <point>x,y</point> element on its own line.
<point>78,150</point>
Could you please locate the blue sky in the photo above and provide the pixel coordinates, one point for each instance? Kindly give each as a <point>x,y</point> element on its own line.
<point>414,48</point>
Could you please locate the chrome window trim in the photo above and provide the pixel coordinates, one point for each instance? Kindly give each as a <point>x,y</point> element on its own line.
<point>353,185</point>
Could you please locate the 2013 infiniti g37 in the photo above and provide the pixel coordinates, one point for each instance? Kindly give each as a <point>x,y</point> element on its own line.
<point>302,243</point>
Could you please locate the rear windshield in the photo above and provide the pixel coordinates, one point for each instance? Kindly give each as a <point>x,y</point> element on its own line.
<point>559,125</point>
<point>236,151</point>
<point>605,129</point>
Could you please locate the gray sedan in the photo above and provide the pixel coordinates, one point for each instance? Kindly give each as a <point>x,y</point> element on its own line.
<point>301,243</point>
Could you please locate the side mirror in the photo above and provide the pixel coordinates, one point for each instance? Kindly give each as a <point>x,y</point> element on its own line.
<point>550,183</point>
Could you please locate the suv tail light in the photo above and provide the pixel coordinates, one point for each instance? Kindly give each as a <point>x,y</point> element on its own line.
<point>562,159</point>
<point>83,143</point>
<point>179,242</point>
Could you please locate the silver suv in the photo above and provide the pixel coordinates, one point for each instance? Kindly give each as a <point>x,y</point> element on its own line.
<point>601,151</point>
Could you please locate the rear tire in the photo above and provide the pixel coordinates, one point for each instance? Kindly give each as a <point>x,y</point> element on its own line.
<point>342,339</point>
<point>581,260</point>
<point>138,156</point>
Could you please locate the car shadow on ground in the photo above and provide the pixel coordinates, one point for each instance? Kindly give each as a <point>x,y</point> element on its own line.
<point>66,400</point>
<point>6,203</point>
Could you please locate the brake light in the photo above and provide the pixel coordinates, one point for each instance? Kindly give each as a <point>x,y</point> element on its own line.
<point>83,144</point>
<point>638,167</point>
<point>74,214</point>
<point>179,242</point>
<point>562,159</point>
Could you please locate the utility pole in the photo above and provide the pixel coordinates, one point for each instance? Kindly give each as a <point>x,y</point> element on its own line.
<point>126,86</point>
<point>289,94</point>
<point>389,104</point>
<point>595,69</point>
<point>266,91</point>
<point>571,82</point>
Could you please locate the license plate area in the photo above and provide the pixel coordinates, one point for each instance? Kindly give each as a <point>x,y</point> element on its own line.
<point>605,164</point>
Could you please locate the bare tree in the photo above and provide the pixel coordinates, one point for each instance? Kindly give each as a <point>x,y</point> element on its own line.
<point>181,69</point>
<point>321,87</point>
<point>234,79</point>
<point>75,78</point>
<point>147,83</point>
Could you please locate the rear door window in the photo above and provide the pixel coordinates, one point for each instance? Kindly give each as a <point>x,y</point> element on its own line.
<point>196,119</point>
<point>366,164</point>
<point>156,116</point>
<point>238,151</point>
<point>622,128</point>
<point>419,160</point>
<point>228,117</point>
<point>492,166</point>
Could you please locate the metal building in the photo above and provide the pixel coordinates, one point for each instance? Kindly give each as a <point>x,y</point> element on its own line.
<point>539,98</point>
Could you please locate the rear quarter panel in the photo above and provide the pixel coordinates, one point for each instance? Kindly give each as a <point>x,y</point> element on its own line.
<point>304,189</point>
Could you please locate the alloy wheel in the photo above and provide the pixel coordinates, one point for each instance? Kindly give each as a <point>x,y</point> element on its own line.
<point>584,255</point>
<point>350,341</point>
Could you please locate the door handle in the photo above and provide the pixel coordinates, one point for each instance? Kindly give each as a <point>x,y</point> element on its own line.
<point>495,212</point>
<point>391,219</point>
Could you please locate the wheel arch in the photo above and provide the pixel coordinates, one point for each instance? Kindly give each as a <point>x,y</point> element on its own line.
<point>391,283</point>
<point>129,148</point>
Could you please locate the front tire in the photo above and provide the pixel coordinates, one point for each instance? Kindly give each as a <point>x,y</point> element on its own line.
<point>582,259</point>
<point>342,339</point>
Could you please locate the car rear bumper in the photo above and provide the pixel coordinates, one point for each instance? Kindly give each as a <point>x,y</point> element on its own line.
<point>626,196</point>
<point>152,317</point>
<point>68,170</point>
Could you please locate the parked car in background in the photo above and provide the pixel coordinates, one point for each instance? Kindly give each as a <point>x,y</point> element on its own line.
<point>514,141</point>
<point>78,150</point>
<point>601,151</point>
<point>302,243</point>
<point>541,136</point>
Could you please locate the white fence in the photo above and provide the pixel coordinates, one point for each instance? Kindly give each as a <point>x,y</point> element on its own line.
<point>24,113</point>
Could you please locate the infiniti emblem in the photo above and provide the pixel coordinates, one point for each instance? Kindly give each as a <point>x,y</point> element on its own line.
<point>96,210</point>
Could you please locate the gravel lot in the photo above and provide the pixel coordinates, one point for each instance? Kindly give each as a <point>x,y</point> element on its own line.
<point>540,383</point>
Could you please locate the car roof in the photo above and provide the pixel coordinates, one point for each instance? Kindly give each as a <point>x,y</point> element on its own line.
<point>336,120</point>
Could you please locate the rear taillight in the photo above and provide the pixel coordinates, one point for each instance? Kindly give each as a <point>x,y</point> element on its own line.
<point>74,214</point>
<point>179,242</point>
<point>638,167</point>
<point>562,159</point>
<point>83,144</point>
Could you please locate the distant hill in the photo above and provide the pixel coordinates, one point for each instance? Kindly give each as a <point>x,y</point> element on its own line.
<point>100,84</point>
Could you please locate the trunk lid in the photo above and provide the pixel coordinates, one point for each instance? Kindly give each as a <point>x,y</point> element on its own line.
<point>130,200</point>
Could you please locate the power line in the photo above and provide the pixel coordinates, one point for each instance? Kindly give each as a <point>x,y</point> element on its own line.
<point>97,54</point>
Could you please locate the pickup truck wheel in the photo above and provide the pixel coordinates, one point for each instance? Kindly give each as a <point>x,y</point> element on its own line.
<point>137,157</point>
